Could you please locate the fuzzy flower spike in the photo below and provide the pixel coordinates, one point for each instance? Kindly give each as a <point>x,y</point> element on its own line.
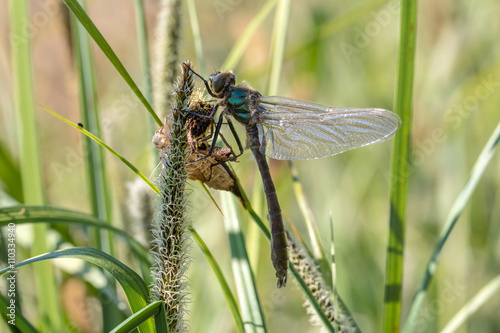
<point>171,239</point>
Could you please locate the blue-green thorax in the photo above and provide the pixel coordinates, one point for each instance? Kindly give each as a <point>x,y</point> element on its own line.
<point>241,103</point>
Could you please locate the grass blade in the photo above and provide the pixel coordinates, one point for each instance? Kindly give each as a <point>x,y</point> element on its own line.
<point>310,297</point>
<point>473,305</point>
<point>317,248</point>
<point>10,175</point>
<point>142,41</point>
<point>399,168</point>
<point>197,36</point>
<point>134,287</point>
<point>46,214</point>
<point>30,161</point>
<point>96,174</point>
<point>240,46</point>
<point>278,45</point>
<point>134,169</point>
<point>155,309</point>
<point>99,141</point>
<point>251,307</point>
<point>233,305</point>
<point>87,23</point>
<point>453,216</point>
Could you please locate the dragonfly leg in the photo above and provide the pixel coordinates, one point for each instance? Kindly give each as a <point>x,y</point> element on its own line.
<point>214,140</point>
<point>236,137</point>
<point>220,158</point>
<point>211,115</point>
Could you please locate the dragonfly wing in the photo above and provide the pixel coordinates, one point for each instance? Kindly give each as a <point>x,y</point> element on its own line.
<point>292,129</point>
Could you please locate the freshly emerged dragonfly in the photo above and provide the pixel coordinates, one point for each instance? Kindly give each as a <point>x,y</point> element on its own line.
<point>290,129</point>
<point>212,169</point>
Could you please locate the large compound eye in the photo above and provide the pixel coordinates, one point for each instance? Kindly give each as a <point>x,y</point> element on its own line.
<point>220,80</point>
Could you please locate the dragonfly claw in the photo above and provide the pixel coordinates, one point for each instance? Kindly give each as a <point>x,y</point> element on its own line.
<point>281,281</point>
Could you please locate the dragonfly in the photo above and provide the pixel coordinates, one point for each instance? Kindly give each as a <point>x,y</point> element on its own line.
<point>212,170</point>
<point>285,128</point>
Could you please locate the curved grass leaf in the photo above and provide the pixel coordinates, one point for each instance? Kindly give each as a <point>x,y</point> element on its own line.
<point>134,287</point>
<point>484,295</point>
<point>111,150</point>
<point>46,214</point>
<point>156,309</point>
<point>455,212</point>
<point>87,23</point>
<point>133,169</point>
<point>233,306</point>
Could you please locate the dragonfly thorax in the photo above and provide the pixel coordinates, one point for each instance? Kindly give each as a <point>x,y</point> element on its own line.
<point>241,103</point>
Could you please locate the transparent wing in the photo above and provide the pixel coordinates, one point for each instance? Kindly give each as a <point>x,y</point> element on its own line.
<point>291,129</point>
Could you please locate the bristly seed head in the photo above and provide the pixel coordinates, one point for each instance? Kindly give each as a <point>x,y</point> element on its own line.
<point>171,241</point>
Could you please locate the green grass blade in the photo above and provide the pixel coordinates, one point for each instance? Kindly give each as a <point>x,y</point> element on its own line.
<point>251,308</point>
<point>153,309</point>
<point>252,232</point>
<point>210,196</point>
<point>10,175</point>
<point>98,194</point>
<point>46,214</point>
<point>327,30</point>
<point>133,168</point>
<point>240,46</point>
<point>195,28</point>
<point>278,45</point>
<point>111,150</point>
<point>142,41</point>
<point>30,161</point>
<point>484,295</point>
<point>399,168</point>
<point>134,287</point>
<point>300,281</point>
<point>85,20</point>
<point>233,305</point>
<point>96,174</point>
<point>312,228</point>
<point>452,218</point>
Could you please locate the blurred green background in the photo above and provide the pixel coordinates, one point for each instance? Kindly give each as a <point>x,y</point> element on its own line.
<point>337,53</point>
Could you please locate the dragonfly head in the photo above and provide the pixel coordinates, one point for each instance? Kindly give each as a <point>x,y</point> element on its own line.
<point>221,81</point>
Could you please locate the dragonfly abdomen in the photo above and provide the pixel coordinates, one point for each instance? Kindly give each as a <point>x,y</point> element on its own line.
<point>279,248</point>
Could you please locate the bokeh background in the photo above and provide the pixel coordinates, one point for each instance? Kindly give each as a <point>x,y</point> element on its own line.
<point>337,53</point>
